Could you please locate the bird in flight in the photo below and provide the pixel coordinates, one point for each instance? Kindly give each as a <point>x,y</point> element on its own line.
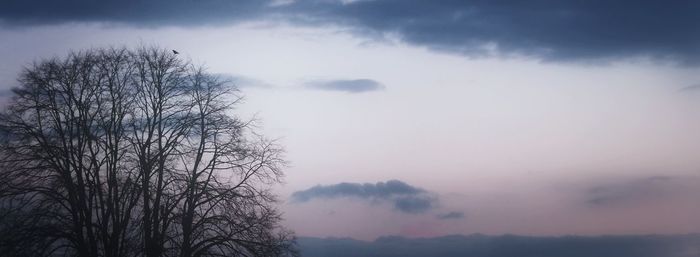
<point>175,52</point>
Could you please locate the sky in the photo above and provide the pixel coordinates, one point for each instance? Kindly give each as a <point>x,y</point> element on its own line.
<point>431,118</point>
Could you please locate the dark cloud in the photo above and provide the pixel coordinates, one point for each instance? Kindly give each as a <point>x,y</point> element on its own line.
<point>546,29</point>
<point>451,215</point>
<point>404,197</point>
<point>641,191</point>
<point>387,189</point>
<point>553,30</point>
<point>506,246</point>
<point>135,12</point>
<point>350,86</point>
<point>414,204</point>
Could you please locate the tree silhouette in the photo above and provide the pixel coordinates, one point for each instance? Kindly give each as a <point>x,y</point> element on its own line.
<point>120,152</point>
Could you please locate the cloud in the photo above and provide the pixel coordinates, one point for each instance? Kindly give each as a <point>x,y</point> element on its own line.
<point>134,12</point>
<point>414,204</point>
<point>277,3</point>
<point>349,86</point>
<point>6,93</point>
<point>552,30</point>
<point>451,215</point>
<point>691,88</point>
<point>505,246</point>
<point>404,197</point>
<point>243,81</point>
<point>641,191</point>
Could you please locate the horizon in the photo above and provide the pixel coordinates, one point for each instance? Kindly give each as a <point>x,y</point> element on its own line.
<point>506,246</point>
<point>429,119</point>
<point>385,237</point>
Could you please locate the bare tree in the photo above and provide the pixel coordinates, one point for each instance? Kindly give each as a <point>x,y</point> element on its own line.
<point>118,152</point>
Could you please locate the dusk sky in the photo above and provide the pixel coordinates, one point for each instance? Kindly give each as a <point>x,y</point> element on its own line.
<point>430,118</point>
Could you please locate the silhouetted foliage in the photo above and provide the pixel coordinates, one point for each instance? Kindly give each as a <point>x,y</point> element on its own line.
<point>119,152</point>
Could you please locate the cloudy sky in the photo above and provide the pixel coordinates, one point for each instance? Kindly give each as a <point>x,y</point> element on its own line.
<point>428,118</point>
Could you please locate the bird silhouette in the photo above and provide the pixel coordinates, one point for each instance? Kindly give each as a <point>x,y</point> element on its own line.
<point>175,52</point>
